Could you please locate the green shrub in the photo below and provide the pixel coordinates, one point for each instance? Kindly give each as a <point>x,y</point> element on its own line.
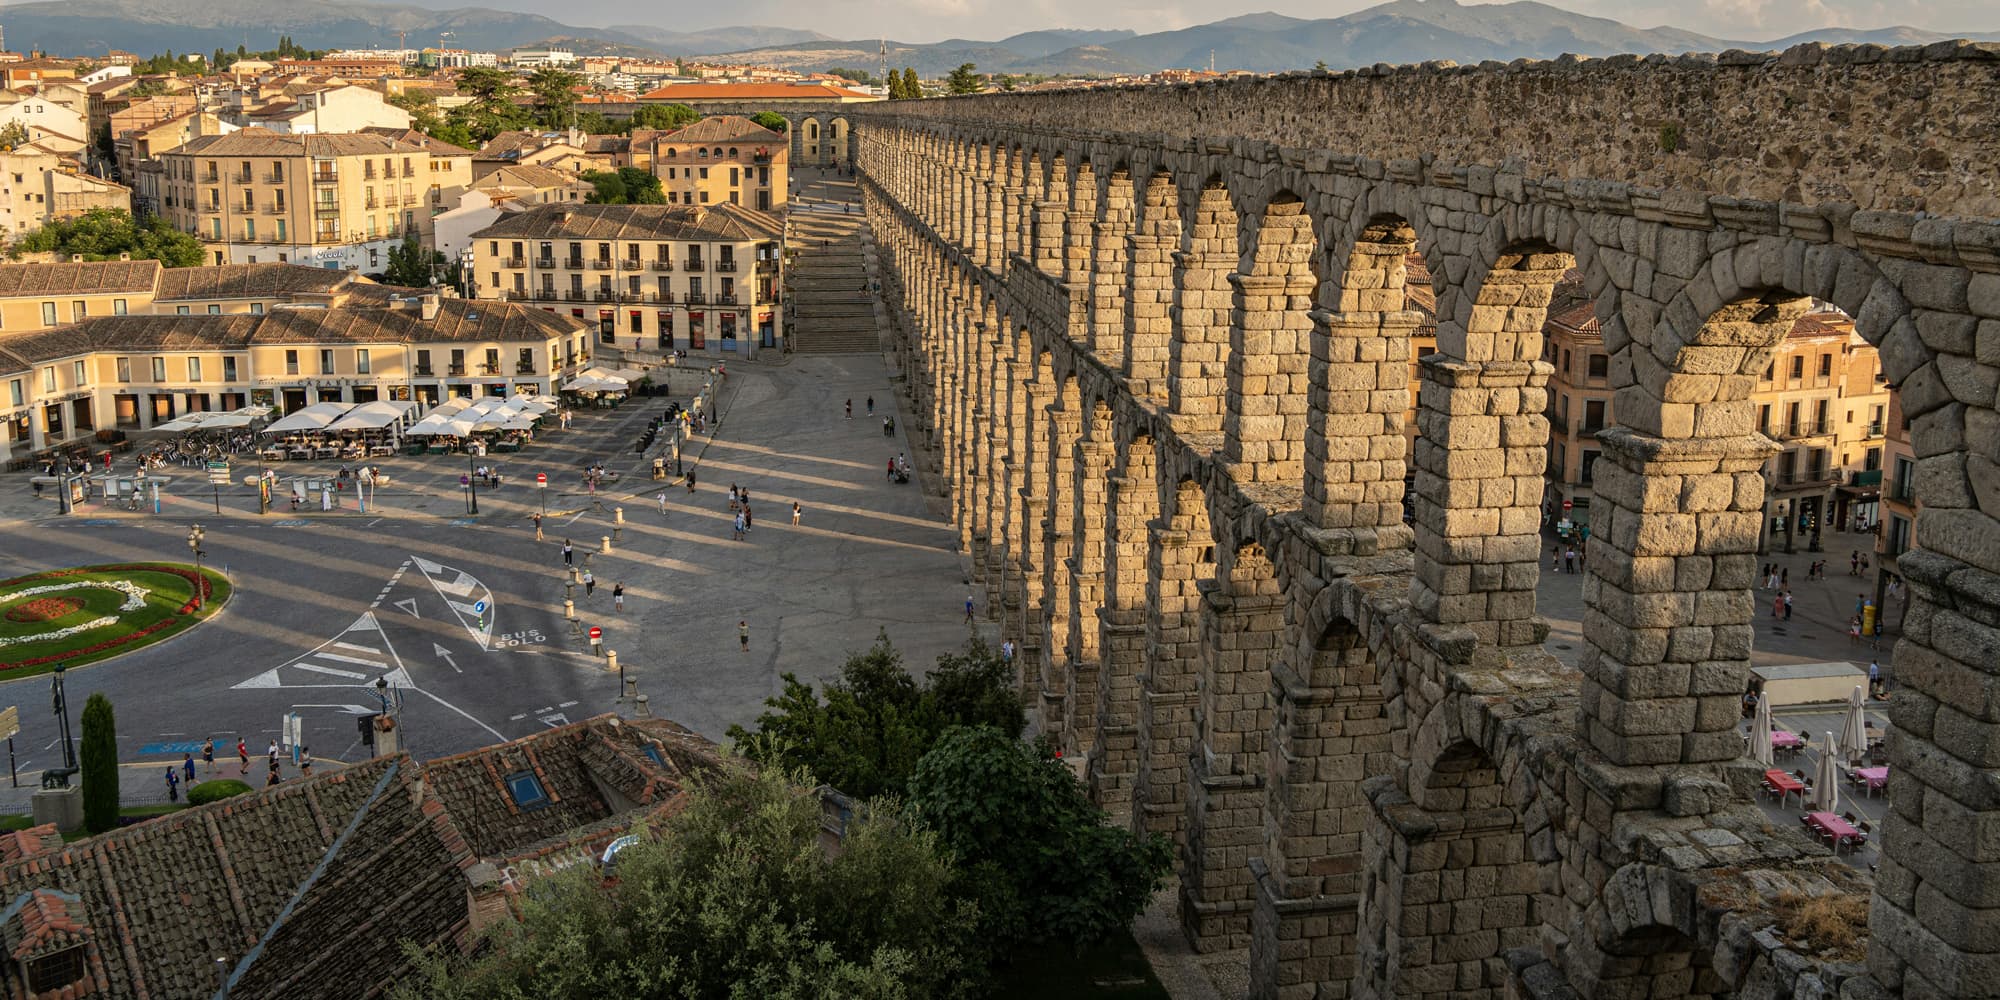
<point>97,758</point>
<point>215,791</point>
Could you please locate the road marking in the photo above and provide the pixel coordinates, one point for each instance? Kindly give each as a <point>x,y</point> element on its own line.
<point>440,651</point>
<point>468,715</point>
<point>552,721</point>
<point>517,718</point>
<point>407,604</point>
<point>566,704</point>
<point>358,649</point>
<point>462,591</point>
<point>316,668</point>
<point>343,658</point>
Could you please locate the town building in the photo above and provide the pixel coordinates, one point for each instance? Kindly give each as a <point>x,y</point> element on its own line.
<point>572,151</point>
<point>814,142</point>
<point>129,345</point>
<point>722,159</point>
<point>139,151</point>
<point>47,122</point>
<point>534,58</point>
<point>456,58</point>
<point>327,200</point>
<point>531,185</point>
<point>346,108</point>
<point>352,69</point>
<point>666,277</point>
<point>37,188</point>
<point>1896,530</point>
<point>450,166</point>
<point>310,890</point>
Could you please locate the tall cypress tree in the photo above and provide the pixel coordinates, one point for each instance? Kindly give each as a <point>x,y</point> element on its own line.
<point>99,761</point>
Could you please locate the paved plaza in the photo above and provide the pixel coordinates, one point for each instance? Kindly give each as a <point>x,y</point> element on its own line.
<point>326,603</point>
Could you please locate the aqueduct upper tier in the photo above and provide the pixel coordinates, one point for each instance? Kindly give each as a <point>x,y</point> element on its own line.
<point>1160,340</point>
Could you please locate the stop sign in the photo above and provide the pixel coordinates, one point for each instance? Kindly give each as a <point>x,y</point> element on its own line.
<point>541,479</point>
<point>596,633</point>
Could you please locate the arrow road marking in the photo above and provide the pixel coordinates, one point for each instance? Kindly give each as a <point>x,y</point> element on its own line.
<point>445,654</point>
<point>362,643</point>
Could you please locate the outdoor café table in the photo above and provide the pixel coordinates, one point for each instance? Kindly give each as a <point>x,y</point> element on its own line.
<point>1786,785</point>
<point>1833,825</point>
<point>1876,777</point>
<point>272,454</point>
<point>1782,740</point>
<point>380,449</point>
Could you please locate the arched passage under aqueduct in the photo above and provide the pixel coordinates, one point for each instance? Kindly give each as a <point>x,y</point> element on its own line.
<point>1168,374</point>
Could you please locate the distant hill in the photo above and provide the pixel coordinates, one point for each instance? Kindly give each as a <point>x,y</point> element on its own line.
<point>716,39</point>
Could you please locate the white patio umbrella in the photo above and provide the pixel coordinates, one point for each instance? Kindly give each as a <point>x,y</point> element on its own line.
<point>450,406</point>
<point>312,418</point>
<point>190,422</point>
<point>1760,732</point>
<point>1826,778</point>
<point>517,423</point>
<point>1854,732</point>
<point>532,407</point>
<point>370,416</point>
<point>437,424</point>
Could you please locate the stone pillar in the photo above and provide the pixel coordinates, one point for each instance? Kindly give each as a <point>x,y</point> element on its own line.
<point>1480,455</point>
<point>1015,224</point>
<point>1080,213</point>
<point>1094,452</point>
<point>1242,622</point>
<point>1015,363</point>
<point>1668,596</point>
<point>1133,502</point>
<point>994,221</point>
<point>1264,418</point>
<point>1198,354</point>
<point>1179,556</point>
<point>1149,301</point>
<point>1359,400</point>
<point>1058,599</point>
<point>1037,397</point>
<point>1049,237</point>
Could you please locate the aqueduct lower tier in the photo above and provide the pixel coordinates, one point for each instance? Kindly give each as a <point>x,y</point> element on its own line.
<point>1166,371</point>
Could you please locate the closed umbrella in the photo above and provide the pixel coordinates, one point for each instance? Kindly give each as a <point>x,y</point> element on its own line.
<point>1854,733</point>
<point>1760,732</point>
<point>1827,778</point>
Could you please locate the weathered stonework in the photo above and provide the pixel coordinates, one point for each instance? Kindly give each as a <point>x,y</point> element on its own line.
<point>1166,372</point>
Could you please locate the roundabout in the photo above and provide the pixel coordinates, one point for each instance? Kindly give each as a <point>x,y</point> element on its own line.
<point>89,613</point>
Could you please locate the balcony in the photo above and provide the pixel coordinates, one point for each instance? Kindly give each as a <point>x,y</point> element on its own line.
<point>601,264</point>
<point>490,369</point>
<point>514,262</point>
<point>661,265</point>
<point>274,208</point>
<point>423,371</point>
<point>695,298</point>
<point>455,370</point>
<point>325,177</point>
<point>409,170</point>
<point>573,295</point>
<point>1875,428</point>
<point>369,205</point>
<point>326,210</point>
<point>767,267</point>
<point>760,158</point>
<point>211,178</point>
<point>211,209</point>
<point>1806,478</point>
<point>604,295</point>
<point>1799,429</point>
<point>522,368</point>
<point>631,264</point>
<point>726,299</point>
<point>545,262</point>
<point>1902,490</point>
<point>274,178</point>
<point>694,265</point>
<point>728,266</point>
<point>1869,477</point>
<point>542,294</point>
<point>574,263</point>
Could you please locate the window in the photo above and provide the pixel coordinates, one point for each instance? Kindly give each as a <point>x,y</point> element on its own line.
<point>215,310</point>
<point>180,310</point>
<point>281,235</point>
<point>638,321</point>
<point>78,310</point>
<point>1589,459</point>
<point>525,363</point>
<point>291,362</point>
<point>117,307</point>
<point>249,229</point>
<point>80,373</point>
<point>194,369</point>
<point>361,363</point>
<point>256,308</point>
<point>1600,365</point>
<point>17,394</point>
<point>1825,365</point>
<point>229,369</point>
<point>49,379</point>
<point>1593,415</point>
<point>1798,366</point>
<point>48,314</point>
<point>124,369</point>
<point>326,361</point>
<point>652,752</point>
<point>159,369</point>
<point>56,970</point>
<point>526,790</point>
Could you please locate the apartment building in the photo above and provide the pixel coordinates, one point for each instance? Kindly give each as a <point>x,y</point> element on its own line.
<point>357,343</point>
<point>139,151</point>
<point>1896,526</point>
<point>47,122</point>
<point>327,200</point>
<point>450,166</point>
<point>666,277</point>
<point>1822,399</point>
<point>720,160</point>
<point>571,151</point>
<point>37,188</point>
<point>328,110</point>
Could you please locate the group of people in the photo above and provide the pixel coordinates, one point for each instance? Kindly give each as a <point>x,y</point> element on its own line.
<point>184,773</point>
<point>1565,559</point>
<point>194,450</point>
<point>899,468</point>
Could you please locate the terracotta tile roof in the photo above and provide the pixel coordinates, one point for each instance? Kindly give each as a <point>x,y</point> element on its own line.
<point>250,281</point>
<point>637,222</point>
<point>1822,324</point>
<point>516,144</point>
<point>264,142</point>
<point>722,128</point>
<point>79,278</point>
<point>524,175</point>
<point>43,921</point>
<point>18,844</point>
<point>1579,318</point>
<point>684,92</point>
<point>412,137</point>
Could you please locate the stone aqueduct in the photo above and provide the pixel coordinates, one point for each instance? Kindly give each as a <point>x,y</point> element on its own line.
<point>1158,338</point>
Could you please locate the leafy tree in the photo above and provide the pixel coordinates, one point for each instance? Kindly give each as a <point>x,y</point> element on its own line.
<point>872,725</point>
<point>555,94</point>
<point>912,88</point>
<point>963,80</point>
<point>860,76</point>
<point>411,266</point>
<point>146,88</point>
<point>486,85</point>
<point>664,116</point>
<point>104,233</point>
<point>423,109</point>
<point>1034,855</point>
<point>13,135</point>
<point>1003,81</point>
<point>98,759</point>
<point>771,120</point>
<point>624,186</point>
<point>735,898</point>
<point>595,123</point>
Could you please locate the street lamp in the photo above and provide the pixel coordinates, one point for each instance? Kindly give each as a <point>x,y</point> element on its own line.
<point>62,718</point>
<point>195,535</point>
<point>471,484</point>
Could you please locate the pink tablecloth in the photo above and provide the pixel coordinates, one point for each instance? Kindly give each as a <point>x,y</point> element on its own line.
<point>1780,738</point>
<point>1876,777</point>
<point>1841,830</point>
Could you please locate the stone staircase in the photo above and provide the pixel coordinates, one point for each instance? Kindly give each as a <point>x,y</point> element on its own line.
<point>832,308</point>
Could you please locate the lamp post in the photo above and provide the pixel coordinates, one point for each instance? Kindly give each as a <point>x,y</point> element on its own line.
<point>62,715</point>
<point>471,484</point>
<point>195,535</point>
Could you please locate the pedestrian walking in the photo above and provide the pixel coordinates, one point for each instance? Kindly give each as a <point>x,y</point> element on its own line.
<point>187,764</point>
<point>968,606</point>
<point>537,518</point>
<point>749,519</point>
<point>663,503</point>
<point>208,755</point>
<point>173,785</point>
<point>1007,651</point>
<point>1555,558</point>
<point>569,557</point>
<point>1854,563</point>
<point>274,753</point>
<point>796,511</point>
<point>1777,605</point>
<point>690,480</point>
<point>618,597</point>
<point>243,751</point>
<point>1788,605</point>
<point>871,412</point>
<point>1854,631</point>
<point>1771,582</point>
<point>850,409</point>
<point>305,761</point>
<point>589,583</point>
<point>1875,678</point>
<point>892,468</point>
<point>738,536</point>
<point>743,634</point>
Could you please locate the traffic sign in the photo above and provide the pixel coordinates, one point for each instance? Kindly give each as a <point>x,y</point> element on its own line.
<point>1567,505</point>
<point>479,607</point>
<point>541,480</point>
<point>10,721</point>
<point>596,633</point>
<point>218,473</point>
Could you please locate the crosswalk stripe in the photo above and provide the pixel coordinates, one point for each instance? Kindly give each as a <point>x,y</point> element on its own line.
<point>316,668</point>
<point>339,658</point>
<point>359,649</point>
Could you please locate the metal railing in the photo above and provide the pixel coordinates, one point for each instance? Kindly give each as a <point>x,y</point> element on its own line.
<point>545,262</point>
<point>725,265</point>
<point>1901,490</point>
<point>661,265</point>
<point>600,264</point>
<point>693,265</point>
<point>514,262</point>
<point>454,370</point>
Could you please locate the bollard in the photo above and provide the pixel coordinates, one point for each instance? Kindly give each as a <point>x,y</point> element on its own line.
<point>569,591</point>
<point>631,687</point>
<point>572,571</point>
<point>617,515</point>
<point>611,659</point>
<point>569,610</point>
<point>605,544</point>
<point>644,711</point>
<point>618,532</point>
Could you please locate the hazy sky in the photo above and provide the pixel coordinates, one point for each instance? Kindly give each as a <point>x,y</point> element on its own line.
<point>931,20</point>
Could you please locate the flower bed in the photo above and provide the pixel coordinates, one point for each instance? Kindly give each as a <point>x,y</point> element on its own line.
<point>88,613</point>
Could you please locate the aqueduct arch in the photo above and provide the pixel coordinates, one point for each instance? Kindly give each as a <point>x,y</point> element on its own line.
<point>1167,374</point>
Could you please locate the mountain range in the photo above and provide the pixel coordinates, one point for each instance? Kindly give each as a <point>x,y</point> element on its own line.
<point>1400,31</point>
